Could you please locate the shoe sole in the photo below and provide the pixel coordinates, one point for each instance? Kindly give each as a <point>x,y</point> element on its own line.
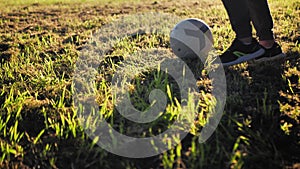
<point>246,58</point>
<point>264,59</point>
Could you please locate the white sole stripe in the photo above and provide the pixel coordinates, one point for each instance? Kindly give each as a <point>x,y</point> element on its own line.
<point>246,58</point>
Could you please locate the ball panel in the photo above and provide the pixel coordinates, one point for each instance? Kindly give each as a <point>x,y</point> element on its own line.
<point>199,23</point>
<point>203,27</point>
<point>185,36</point>
<point>192,35</point>
<point>181,50</point>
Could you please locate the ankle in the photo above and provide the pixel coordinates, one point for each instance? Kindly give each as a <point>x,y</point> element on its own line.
<point>246,41</point>
<point>267,43</point>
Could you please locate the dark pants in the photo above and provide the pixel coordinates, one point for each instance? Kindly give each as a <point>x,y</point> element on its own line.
<point>241,12</point>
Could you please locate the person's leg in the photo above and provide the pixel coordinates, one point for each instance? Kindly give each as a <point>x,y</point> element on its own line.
<point>262,21</point>
<point>239,17</point>
<point>244,47</point>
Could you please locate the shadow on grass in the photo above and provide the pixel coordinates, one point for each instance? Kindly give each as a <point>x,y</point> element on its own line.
<point>249,135</point>
<point>254,101</point>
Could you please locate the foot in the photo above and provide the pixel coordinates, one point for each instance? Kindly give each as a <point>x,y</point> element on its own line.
<point>238,52</point>
<point>272,53</point>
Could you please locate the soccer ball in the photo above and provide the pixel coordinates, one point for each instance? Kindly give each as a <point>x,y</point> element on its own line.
<point>191,38</point>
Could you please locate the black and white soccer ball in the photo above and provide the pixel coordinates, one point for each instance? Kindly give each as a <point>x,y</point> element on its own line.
<point>191,38</point>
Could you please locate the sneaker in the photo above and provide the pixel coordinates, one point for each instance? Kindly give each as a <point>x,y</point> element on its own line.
<point>239,52</point>
<point>273,53</point>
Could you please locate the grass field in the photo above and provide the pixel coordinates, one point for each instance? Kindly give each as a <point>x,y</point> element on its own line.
<point>40,42</point>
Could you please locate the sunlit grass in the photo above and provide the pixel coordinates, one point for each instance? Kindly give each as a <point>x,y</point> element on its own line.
<point>39,126</point>
<point>5,3</point>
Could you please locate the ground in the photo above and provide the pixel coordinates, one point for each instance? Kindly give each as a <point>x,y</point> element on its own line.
<point>39,127</point>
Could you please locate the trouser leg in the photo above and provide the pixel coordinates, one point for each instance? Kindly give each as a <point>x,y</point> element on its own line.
<point>239,17</point>
<point>261,18</point>
<point>241,12</point>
